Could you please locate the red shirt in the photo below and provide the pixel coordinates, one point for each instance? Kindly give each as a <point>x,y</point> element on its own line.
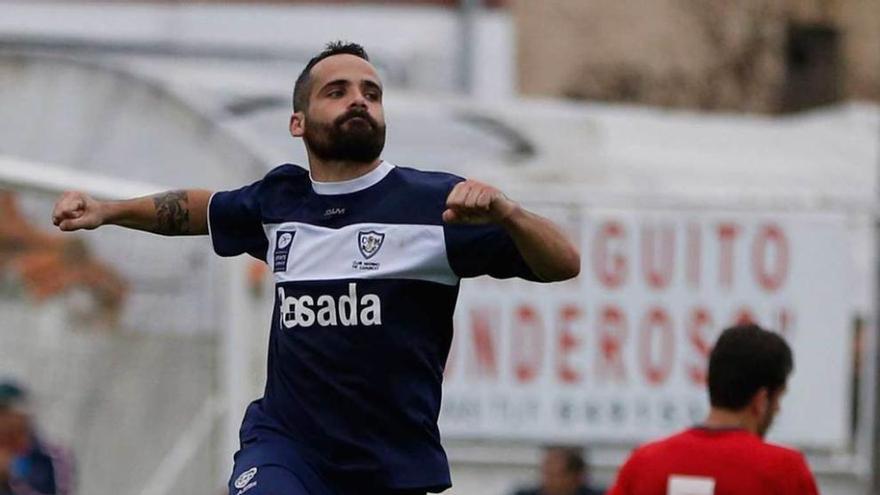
<point>701,461</point>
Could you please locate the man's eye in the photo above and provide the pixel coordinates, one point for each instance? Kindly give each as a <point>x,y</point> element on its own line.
<point>335,93</point>
<point>373,96</point>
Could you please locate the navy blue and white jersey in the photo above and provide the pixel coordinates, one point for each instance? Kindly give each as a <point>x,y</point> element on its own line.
<point>366,277</point>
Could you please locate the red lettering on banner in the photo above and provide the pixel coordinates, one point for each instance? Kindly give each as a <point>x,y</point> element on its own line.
<point>656,325</point>
<point>567,343</point>
<point>785,321</point>
<point>483,330</point>
<point>694,255</point>
<point>779,320</point>
<point>612,335</point>
<point>699,323</point>
<point>744,316</point>
<point>727,233</point>
<point>658,255</point>
<point>528,344</point>
<point>610,267</point>
<point>659,347</point>
<point>769,275</point>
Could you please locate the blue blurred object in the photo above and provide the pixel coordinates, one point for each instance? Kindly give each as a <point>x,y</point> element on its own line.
<point>11,393</point>
<point>20,467</point>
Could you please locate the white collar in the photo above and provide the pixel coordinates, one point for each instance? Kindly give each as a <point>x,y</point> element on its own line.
<point>370,178</point>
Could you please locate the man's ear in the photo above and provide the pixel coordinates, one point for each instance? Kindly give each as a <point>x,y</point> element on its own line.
<point>297,124</point>
<point>760,402</point>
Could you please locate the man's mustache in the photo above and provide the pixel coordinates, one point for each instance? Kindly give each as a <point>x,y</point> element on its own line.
<point>356,113</point>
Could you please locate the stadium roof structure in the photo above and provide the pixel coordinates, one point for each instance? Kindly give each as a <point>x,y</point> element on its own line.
<point>607,150</point>
<point>185,118</point>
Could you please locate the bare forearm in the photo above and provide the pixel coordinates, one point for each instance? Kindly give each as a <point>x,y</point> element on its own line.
<point>183,212</point>
<point>545,248</point>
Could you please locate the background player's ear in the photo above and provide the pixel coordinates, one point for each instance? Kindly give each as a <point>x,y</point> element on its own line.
<point>760,402</point>
<point>297,124</point>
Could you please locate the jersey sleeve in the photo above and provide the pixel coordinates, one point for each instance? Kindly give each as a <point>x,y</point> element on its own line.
<point>624,479</point>
<point>475,250</point>
<point>235,222</point>
<point>806,482</point>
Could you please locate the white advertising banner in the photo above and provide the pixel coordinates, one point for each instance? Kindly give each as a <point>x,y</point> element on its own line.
<point>619,354</point>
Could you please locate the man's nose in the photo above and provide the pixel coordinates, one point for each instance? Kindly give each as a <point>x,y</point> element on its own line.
<point>358,100</point>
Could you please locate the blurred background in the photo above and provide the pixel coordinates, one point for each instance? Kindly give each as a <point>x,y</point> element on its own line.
<point>716,161</point>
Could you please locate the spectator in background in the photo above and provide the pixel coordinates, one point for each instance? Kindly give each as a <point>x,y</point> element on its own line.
<point>28,466</point>
<point>727,454</point>
<point>563,472</point>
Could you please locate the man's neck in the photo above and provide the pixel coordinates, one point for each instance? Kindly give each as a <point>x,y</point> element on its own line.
<point>724,418</point>
<point>339,171</point>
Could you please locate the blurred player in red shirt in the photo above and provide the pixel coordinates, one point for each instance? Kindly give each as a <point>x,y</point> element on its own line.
<point>727,455</point>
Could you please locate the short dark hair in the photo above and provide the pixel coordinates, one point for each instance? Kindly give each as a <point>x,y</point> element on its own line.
<point>302,86</point>
<point>745,359</point>
<point>575,461</point>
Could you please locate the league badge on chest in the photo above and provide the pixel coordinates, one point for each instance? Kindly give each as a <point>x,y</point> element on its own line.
<point>283,241</point>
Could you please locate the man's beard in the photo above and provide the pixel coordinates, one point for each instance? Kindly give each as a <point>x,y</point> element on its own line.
<point>361,142</point>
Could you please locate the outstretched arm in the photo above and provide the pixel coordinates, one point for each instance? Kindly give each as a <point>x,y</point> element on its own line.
<point>183,212</point>
<point>544,247</point>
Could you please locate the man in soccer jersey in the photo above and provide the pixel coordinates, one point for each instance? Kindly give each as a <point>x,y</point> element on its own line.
<point>367,258</point>
<point>727,455</point>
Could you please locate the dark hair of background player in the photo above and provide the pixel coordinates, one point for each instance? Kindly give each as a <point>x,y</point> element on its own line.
<point>574,458</point>
<point>745,359</point>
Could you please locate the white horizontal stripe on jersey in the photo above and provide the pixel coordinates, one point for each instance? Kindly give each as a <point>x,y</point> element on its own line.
<point>366,250</point>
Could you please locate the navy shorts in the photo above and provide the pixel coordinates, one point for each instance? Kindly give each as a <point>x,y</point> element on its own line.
<point>276,480</point>
<point>266,480</point>
<point>269,467</point>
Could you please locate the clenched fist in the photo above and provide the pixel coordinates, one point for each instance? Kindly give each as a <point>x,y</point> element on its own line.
<point>75,211</point>
<point>474,203</point>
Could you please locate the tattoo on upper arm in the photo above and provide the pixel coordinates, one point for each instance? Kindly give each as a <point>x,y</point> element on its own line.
<point>172,212</point>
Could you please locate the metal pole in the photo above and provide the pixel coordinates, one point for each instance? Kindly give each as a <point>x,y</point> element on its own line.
<point>466,42</point>
<point>873,328</point>
<point>235,353</point>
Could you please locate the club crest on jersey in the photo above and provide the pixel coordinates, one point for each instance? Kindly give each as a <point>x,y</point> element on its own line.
<point>370,242</point>
<point>283,241</point>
